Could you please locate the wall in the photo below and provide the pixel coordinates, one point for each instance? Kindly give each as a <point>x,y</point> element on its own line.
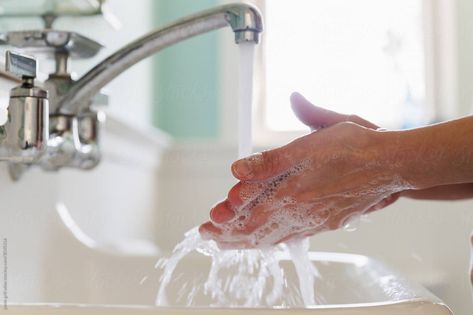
<point>130,93</point>
<point>185,90</point>
<point>465,56</point>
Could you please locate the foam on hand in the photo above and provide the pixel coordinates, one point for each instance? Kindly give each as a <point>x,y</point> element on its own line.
<point>283,216</point>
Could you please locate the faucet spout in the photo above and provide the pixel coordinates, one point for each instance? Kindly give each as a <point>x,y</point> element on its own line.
<point>245,21</point>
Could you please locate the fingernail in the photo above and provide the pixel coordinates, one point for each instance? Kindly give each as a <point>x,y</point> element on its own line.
<point>294,95</point>
<point>222,213</point>
<point>242,168</point>
<point>245,168</point>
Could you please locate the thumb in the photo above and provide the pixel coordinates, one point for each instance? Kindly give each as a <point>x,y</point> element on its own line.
<point>264,165</point>
<point>317,117</point>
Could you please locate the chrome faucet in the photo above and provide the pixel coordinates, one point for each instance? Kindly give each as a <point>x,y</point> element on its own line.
<point>74,126</point>
<point>244,19</point>
<point>24,134</point>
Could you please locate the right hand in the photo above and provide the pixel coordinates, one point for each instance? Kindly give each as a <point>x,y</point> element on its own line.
<point>317,118</point>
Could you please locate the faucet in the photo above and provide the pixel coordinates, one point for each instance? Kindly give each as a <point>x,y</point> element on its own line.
<point>244,19</point>
<point>23,135</point>
<point>74,125</point>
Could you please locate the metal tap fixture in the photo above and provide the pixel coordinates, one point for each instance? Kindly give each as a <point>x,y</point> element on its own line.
<point>74,125</point>
<point>245,21</point>
<point>24,135</point>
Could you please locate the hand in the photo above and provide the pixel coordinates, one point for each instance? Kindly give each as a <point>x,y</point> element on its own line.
<point>317,118</point>
<point>313,184</point>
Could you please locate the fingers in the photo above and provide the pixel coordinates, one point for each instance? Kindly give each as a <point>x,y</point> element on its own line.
<point>360,121</point>
<point>244,192</point>
<point>311,115</point>
<point>316,117</point>
<point>222,212</point>
<point>385,202</point>
<point>208,231</point>
<point>264,165</point>
<point>235,195</point>
<point>239,195</point>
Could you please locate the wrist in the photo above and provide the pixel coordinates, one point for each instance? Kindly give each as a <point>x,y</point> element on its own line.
<point>395,156</point>
<point>413,158</point>
<point>435,155</point>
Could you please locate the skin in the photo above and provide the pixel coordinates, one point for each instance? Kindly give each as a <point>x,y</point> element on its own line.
<point>346,166</point>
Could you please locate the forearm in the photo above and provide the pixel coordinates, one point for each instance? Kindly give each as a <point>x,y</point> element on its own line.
<point>436,155</point>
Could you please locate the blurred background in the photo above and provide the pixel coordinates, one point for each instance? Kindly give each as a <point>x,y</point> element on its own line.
<point>172,132</point>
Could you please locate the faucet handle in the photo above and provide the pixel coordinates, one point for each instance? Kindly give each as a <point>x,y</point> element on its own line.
<point>20,65</point>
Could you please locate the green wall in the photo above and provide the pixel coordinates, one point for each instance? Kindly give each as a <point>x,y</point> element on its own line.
<point>185,94</point>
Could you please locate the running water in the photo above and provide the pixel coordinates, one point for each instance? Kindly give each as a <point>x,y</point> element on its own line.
<point>235,278</point>
<point>306,272</point>
<point>245,101</point>
<point>244,278</point>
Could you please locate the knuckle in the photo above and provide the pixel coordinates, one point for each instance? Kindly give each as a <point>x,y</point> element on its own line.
<point>270,162</point>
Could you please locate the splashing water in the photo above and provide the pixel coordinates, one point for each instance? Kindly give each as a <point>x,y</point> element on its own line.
<point>305,269</point>
<point>243,278</point>
<point>235,278</point>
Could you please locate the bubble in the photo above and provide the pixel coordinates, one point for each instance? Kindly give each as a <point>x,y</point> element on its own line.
<point>352,223</point>
<point>286,215</point>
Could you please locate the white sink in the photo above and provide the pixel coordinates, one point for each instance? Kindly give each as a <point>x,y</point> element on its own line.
<point>412,308</point>
<point>83,277</point>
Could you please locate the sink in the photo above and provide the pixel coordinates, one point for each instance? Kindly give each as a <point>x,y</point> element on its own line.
<point>412,308</point>
<point>82,277</point>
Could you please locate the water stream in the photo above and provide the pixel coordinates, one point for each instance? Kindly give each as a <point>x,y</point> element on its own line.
<point>241,278</point>
<point>245,99</point>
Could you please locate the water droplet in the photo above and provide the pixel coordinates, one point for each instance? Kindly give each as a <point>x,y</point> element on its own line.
<point>353,223</point>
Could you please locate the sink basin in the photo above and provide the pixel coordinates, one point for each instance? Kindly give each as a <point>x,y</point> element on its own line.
<point>412,308</point>
<point>84,277</point>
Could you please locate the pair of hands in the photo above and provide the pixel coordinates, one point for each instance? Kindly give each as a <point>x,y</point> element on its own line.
<point>314,183</point>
